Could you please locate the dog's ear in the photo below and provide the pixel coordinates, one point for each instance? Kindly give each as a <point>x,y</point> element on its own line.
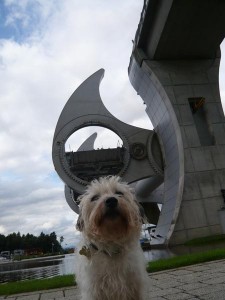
<point>80,220</point>
<point>141,208</point>
<point>80,223</point>
<point>142,213</point>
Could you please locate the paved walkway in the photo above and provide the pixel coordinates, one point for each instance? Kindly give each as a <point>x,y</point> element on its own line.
<point>203,282</point>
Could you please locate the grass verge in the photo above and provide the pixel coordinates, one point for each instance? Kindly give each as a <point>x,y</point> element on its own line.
<point>36,285</point>
<point>208,240</point>
<point>185,260</point>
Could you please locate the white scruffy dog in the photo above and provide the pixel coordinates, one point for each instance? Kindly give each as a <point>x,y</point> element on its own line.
<point>110,261</point>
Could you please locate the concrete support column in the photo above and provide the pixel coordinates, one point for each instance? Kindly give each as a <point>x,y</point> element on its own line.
<point>183,102</point>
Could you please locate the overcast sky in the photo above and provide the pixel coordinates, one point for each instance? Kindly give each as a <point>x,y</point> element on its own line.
<point>47,49</point>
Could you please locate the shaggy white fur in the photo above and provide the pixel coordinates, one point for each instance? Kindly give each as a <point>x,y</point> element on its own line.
<point>110,261</point>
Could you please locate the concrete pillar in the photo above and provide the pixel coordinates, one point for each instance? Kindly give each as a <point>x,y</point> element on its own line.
<point>183,102</point>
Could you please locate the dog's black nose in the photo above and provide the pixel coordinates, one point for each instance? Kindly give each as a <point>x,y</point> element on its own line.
<point>111,202</point>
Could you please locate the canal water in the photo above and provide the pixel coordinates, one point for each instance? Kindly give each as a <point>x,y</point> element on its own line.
<point>53,266</point>
<point>36,268</point>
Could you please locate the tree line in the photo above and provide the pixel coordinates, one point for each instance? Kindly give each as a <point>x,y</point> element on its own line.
<point>46,243</point>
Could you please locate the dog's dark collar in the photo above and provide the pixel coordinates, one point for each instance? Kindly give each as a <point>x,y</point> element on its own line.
<point>110,253</point>
<point>88,251</point>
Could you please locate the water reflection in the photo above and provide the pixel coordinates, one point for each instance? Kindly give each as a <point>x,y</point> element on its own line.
<point>34,273</point>
<point>155,254</point>
<point>36,269</point>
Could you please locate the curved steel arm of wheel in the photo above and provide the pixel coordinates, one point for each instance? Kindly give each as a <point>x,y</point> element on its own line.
<point>141,158</point>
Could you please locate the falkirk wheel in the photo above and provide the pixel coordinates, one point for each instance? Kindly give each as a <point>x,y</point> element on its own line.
<point>139,161</point>
<point>174,67</point>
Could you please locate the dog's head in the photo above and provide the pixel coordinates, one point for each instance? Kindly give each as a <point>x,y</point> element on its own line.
<point>109,211</point>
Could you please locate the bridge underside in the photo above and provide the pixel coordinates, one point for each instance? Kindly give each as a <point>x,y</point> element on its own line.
<point>181,29</point>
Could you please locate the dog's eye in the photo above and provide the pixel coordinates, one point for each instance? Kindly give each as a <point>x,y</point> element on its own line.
<point>94,198</point>
<point>119,193</point>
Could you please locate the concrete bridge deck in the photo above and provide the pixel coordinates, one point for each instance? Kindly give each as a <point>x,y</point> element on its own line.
<point>203,282</point>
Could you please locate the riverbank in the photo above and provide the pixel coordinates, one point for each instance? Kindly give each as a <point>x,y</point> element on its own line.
<point>152,267</point>
<point>198,253</point>
<point>202,281</point>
